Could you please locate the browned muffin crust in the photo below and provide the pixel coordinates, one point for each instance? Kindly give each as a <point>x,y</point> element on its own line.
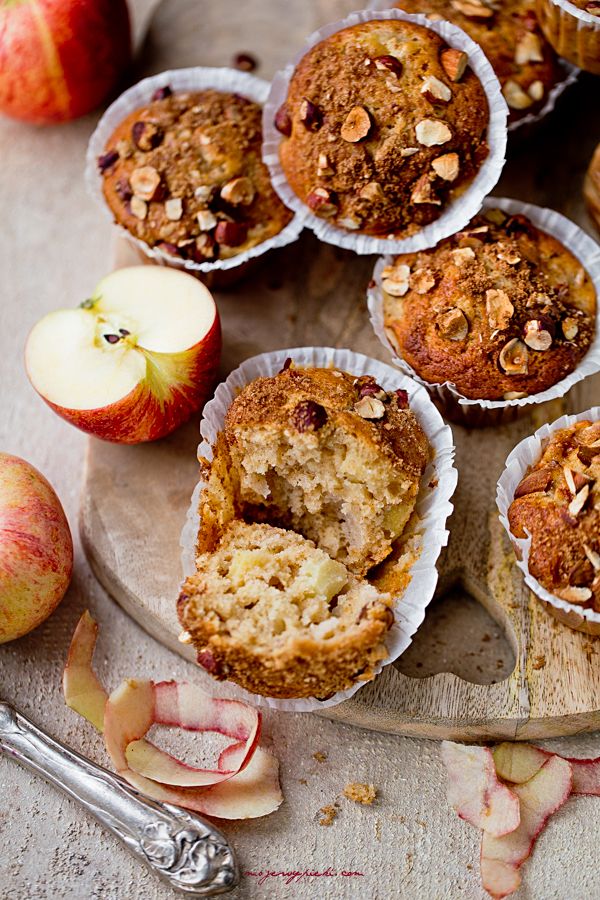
<point>509,35</point>
<point>591,187</point>
<point>589,6</point>
<point>303,414</point>
<point>382,126</point>
<point>185,174</point>
<point>558,503</point>
<point>501,309</point>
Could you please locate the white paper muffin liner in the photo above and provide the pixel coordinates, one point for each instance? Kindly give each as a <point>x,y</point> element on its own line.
<point>458,211</point>
<point>194,79</point>
<point>573,32</point>
<point>579,243</point>
<point>570,76</point>
<point>433,504</point>
<point>525,455</point>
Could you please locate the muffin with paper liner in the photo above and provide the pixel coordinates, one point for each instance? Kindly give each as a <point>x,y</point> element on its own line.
<point>573,29</point>
<point>501,315</point>
<point>591,188</point>
<point>348,588</point>
<point>176,161</point>
<point>549,502</point>
<point>387,131</point>
<point>531,74</point>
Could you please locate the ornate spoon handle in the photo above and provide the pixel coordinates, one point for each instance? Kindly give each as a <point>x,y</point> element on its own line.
<point>184,850</point>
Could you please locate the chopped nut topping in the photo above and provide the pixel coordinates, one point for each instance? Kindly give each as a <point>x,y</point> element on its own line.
<point>462,255</point>
<point>536,90</point>
<point>515,96</point>
<point>368,387</point>
<point>238,191</point>
<point>308,416</point>
<point>431,132</point>
<point>538,334</point>
<point>575,594</point>
<point>408,151</point>
<point>370,408</point>
<point>349,223</point>
<point>144,182</point>
<point>529,49</point>
<point>372,191</point>
<point>536,481</point>
<point>138,207</point>
<point>390,64</point>
<point>395,280</point>
<point>204,192</point>
<point>310,115</point>
<point>454,62</point>
<point>446,166</point>
<point>514,395</point>
<point>435,90</point>
<point>593,557</point>
<point>283,120</point>
<point>232,234</point>
<point>322,202</point>
<point>421,281</point>
<point>124,149</point>
<point>569,328</point>
<point>514,358</point>
<point>579,500</point>
<point>146,135</point>
<point>453,324</point>
<point>206,220</point>
<point>473,9</point>
<point>323,166</point>
<point>174,209</point>
<point>507,256</point>
<point>569,479</point>
<point>356,125</point>
<point>423,192</point>
<point>499,309</point>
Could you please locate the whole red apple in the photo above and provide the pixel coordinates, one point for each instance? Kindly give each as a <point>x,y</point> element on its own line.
<point>36,550</point>
<point>60,59</point>
<point>134,361</point>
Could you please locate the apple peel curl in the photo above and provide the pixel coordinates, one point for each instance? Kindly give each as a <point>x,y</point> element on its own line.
<point>518,763</point>
<point>542,795</point>
<point>245,783</point>
<point>475,792</point>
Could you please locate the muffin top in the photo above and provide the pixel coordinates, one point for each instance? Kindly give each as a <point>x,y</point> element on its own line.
<point>558,503</point>
<point>510,37</point>
<point>308,400</point>
<point>591,187</point>
<point>185,174</point>
<point>501,309</point>
<point>383,126</point>
<point>589,6</point>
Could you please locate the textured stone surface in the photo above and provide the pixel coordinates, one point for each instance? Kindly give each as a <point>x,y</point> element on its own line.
<point>409,844</point>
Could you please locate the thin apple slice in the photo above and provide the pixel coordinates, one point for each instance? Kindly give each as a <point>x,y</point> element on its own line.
<point>475,792</point>
<point>184,705</point>
<point>255,791</point>
<point>542,795</point>
<point>83,692</point>
<point>517,762</point>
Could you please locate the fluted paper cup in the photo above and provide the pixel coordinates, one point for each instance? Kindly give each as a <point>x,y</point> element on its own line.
<point>459,210</point>
<point>473,413</point>
<point>426,532</point>
<point>520,460</point>
<point>573,32</point>
<point>193,79</point>
<point>570,73</point>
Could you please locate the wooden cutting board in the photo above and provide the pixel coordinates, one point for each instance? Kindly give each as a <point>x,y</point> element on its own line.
<point>134,499</point>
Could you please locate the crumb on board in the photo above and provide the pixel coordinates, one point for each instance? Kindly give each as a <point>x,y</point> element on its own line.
<point>538,662</point>
<point>360,793</point>
<point>328,815</point>
<point>320,756</point>
<point>303,781</point>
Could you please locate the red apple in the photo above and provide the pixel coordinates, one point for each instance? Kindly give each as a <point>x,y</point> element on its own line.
<point>36,550</point>
<point>60,59</point>
<point>135,361</point>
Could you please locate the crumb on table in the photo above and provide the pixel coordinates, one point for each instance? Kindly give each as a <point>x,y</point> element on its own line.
<point>320,756</point>
<point>329,814</point>
<point>360,793</point>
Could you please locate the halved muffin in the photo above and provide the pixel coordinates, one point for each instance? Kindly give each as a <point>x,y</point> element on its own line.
<point>331,456</point>
<point>270,611</point>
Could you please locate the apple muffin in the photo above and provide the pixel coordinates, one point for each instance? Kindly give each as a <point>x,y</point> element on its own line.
<point>501,309</point>
<point>558,504</point>
<point>573,29</point>
<point>383,125</point>
<point>509,35</point>
<point>333,457</point>
<point>273,613</point>
<point>591,187</point>
<point>184,174</point>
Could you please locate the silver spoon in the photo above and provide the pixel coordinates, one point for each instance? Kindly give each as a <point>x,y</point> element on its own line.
<point>183,849</point>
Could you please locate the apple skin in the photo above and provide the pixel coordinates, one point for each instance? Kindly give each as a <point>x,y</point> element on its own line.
<point>36,548</point>
<point>141,416</point>
<point>60,59</point>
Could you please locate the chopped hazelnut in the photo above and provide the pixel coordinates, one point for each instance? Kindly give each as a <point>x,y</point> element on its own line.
<point>232,234</point>
<point>421,281</point>
<point>423,192</point>
<point>499,309</point>
<point>322,202</point>
<point>575,595</point>
<point>238,192</point>
<point>370,408</point>
<point>395,280</point>
<point>432,132</point>
<point>454,62</point>
<point>473,9</point>
<point>538,334</point>
<point>138,207</point>
<point>435,90</point>
<point>515,96</point>
<point>529,49</point>
<point>146,135</point>
<point>174,209</point>
<point>462,255</point>
<point>357,125</point>
<point>536,90</point>
<point>310,115</point>
<point>453,324</point>
<point>206,220</point>
<point>388,63</point>
<point>569,328</point>
<point>514,358</point>
<point>145,182</point>
<point>446,166</point>
<point>372,192</point>
<point>408,151</point>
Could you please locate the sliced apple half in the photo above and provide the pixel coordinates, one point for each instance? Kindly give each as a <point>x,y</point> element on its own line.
<point>134,361</point>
